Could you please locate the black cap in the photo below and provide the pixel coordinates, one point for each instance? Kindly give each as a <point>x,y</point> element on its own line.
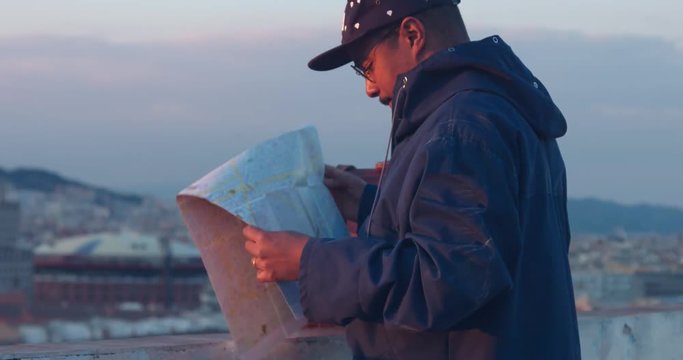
<point>362,17</point>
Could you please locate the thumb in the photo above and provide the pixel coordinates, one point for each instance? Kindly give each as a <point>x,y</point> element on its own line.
<point>252,233</point>
<point>332,172</point>
<point>332,183</point>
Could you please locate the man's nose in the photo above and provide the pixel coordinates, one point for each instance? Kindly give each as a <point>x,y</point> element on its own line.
<point>371,89</point>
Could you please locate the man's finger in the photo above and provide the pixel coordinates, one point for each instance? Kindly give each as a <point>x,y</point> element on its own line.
<point>257,263</point>
<point>345,168</point>
<point>337,179</point>
<point>252,248</point>
<point>264,276</point>
<point>333,172</point>
<point>330,172</point>
<point>252,233</point>
<point>332,183</point>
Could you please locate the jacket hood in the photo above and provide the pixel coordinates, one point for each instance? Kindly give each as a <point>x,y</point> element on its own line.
<point>488,65</point>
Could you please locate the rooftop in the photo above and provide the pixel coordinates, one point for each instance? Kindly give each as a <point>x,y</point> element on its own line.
<point>125,244</point>
<point>631,334</point>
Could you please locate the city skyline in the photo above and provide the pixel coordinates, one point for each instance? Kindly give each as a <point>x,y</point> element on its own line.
<point>149,97</point>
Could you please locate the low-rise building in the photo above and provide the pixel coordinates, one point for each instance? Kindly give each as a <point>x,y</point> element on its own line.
<point>109,271</point>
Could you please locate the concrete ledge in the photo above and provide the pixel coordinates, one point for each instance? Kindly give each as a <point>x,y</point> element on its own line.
<point>213,346</point>
<point>627,334</point>
<point>643,335</point>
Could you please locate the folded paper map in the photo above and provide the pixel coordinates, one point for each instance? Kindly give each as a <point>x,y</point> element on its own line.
<point>276,186</point>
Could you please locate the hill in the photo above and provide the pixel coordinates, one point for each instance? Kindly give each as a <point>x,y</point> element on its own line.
<point>48,182</point>
<point>587,216</point>
<point>595,216</point>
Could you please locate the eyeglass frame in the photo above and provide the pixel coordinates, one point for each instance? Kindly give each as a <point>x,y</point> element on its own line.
<point>365,73</point>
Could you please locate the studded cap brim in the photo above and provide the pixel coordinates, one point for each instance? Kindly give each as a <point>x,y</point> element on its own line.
<point>331,59</point>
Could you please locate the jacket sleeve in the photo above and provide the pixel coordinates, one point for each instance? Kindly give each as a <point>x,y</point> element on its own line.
<point>366,200</point>
<point>446,267</point>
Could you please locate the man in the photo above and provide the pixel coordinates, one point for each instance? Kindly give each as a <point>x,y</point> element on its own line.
<point>462,250</point>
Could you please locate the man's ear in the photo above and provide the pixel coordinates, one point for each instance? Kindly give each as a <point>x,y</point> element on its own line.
<point>412,31</point>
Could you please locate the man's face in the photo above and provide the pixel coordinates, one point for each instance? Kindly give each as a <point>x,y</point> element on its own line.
<point>385,61</point>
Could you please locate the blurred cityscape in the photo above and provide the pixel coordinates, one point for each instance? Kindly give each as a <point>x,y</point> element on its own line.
<point>83,263</point>
<point>620,271</point>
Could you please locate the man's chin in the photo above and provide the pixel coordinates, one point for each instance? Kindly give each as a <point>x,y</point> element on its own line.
<point>386,102</point>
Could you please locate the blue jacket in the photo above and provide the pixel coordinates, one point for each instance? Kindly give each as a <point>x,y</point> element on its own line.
<point>467,256</point>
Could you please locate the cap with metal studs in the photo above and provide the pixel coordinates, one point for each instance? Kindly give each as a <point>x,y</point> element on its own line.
<point>362,17</point>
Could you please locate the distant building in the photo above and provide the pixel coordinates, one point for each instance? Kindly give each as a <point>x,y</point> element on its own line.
<point>661,285</point>
<point>10,218</point>
<point>15,261</point>
<point>607,288</point>
<point>111,271</point>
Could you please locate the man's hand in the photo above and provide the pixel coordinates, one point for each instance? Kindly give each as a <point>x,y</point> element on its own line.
<point>346,189</point>
<point>275,255</point>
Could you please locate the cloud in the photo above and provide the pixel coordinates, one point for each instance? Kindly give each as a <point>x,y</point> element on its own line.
<point>156,116</point>
<point>130,114</point>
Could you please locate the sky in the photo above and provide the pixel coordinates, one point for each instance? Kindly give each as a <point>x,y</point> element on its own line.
<point>149,96</point>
